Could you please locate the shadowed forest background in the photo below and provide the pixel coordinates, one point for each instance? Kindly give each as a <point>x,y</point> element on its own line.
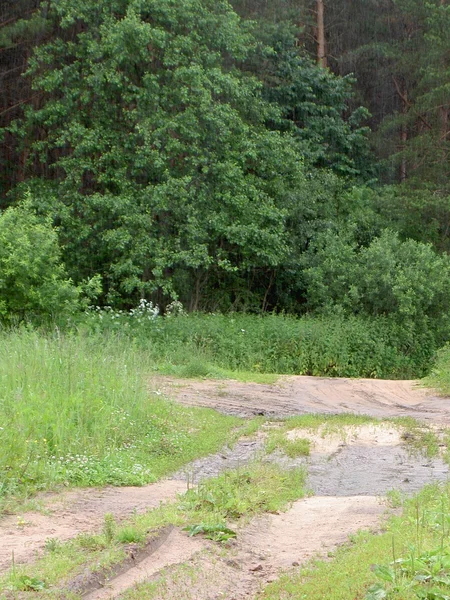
<point>245,156</point>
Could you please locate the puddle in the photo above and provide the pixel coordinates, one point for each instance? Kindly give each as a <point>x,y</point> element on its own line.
<point>363,461</point>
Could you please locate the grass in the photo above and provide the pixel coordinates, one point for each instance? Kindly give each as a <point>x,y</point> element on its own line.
<point>214,505</point>
<point>292,448</point>
<point>327,424</point>
<point>74,410</point>
<point>198,368</point>
<point>417,437</point>
<point>203,345</point>
<point>439,378</point>
<point>410,560</point>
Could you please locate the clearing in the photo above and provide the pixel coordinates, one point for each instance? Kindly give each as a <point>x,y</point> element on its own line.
<point>351,468</point>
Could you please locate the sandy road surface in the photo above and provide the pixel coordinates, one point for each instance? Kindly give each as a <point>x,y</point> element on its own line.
<point>300,394</point>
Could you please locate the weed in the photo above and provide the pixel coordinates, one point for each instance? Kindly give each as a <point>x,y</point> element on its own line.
<point>91,542</point>
<point>75,410</point>
<point>439,377</point>
<point>234,494</point>
<point>292,448</point>
<point>109,528</point>
<point>218,532</point>
<point>394,498</point>
<point>327,424</point>
<point>53,545</point>
<point>202,345</point>
<point>130,535</point>
<point>24,583</point>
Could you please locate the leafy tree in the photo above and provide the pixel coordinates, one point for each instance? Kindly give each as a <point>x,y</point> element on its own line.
<point>313,102</point>
<point>33,280</point>
<point>420,212</point>
<point>158,145</point>
<point>23,25</point>
<point>406,281</point>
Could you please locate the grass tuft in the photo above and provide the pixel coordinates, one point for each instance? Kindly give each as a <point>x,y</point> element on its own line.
<point>439,377</point>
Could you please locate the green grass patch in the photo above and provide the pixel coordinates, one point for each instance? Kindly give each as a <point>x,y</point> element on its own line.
<point>198,368</point>
<point>292,448</point>
<point>214,507</point>
<point>409,560</point>
<point>417,437</point>
<point>311,423</point>
<point>75,410</point>
<point>243,493</point>
<point>439,378</point>
<point>328,424</point>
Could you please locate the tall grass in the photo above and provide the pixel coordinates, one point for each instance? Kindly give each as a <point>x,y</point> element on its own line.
<point>75,409</point>
<point>439,377</point>
<point>331,345</point>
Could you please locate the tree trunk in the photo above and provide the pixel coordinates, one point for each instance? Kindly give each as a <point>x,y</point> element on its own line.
<point>321,52</point>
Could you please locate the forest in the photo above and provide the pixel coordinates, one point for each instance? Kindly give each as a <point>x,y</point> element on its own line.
<point>246,156</point>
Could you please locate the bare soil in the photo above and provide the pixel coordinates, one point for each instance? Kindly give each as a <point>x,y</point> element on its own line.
<point>298,395</point>
<point>349,473</point>
<point>74,512</point>
<point>269,545</point>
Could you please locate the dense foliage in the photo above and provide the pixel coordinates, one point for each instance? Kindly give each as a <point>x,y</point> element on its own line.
<point>332,345</point>
<point>32,279</point>
<point>218,154</point>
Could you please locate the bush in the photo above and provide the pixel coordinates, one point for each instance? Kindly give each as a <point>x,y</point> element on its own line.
<point>405,281</point>
<point>439,377</point>
<point>32,278</point>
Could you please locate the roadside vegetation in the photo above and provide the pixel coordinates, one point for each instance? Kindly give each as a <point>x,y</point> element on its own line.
<point>75,410</point>
<point>410,559</point>
<point>75,407</point>
<point>215,345</point>
<point>439,377</point>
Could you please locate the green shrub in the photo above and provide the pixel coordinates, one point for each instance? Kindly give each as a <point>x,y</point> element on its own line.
<point>406,281</point>
<point>32,278</point>
<point>439,377</point>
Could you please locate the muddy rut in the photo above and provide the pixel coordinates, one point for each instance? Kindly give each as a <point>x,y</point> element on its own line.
<point>349,473</point>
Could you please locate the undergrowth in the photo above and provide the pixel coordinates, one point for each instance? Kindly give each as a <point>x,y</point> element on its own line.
<point>439,377</point>
<point>213,344</point>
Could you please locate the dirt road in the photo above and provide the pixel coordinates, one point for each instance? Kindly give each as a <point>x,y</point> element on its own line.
<point>349,475</point>
<point>300,394</point>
